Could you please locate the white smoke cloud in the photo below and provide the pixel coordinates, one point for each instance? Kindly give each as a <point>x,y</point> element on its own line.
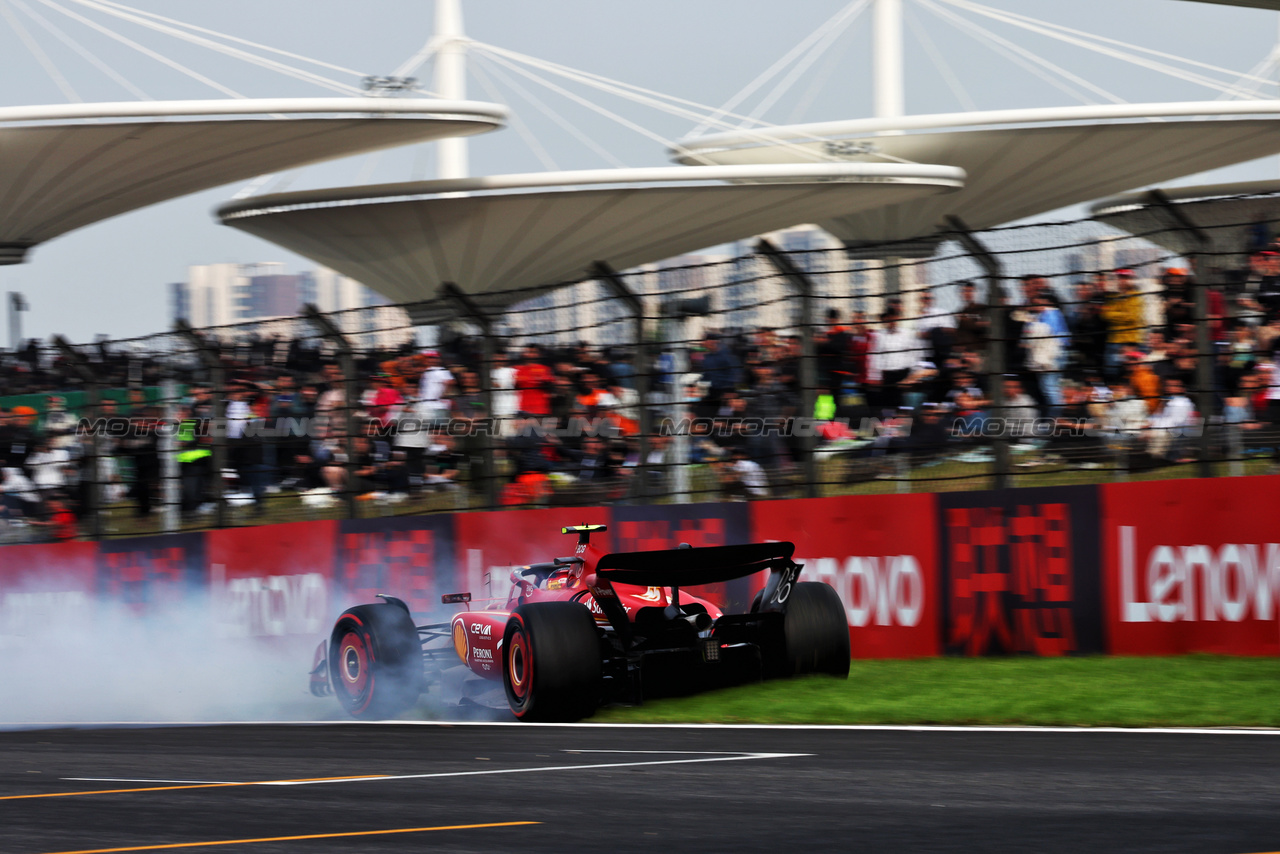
<point>241,653</point>
<point>68,657</point>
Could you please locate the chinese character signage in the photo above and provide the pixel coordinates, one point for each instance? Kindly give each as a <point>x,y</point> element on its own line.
<point>1020,571</point>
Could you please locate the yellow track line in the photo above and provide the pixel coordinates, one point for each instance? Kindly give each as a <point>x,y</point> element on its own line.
<point>173,845</point>
<point>186,786</point>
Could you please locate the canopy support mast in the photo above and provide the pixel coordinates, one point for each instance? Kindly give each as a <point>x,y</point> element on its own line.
<point>887,60</point>
<point>451,83</point>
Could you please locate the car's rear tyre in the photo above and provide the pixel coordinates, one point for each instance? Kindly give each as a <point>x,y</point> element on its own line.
<point>551,662</point>
<point>375,661</point>
<point>815,631</point>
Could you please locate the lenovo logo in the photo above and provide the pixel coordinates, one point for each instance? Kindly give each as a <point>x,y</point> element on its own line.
<point>1234,582</point>
<point>881,591</point>
<point>269,606</point>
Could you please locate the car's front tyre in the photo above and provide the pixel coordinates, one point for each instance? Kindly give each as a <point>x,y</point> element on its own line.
<point>551,662</point>
<point>375,661</point>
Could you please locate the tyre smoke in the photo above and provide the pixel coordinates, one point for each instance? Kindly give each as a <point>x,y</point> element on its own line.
<point>69,657</point>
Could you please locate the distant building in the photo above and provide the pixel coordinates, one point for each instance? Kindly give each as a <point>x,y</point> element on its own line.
<point>226,294</point>
<point>743,290</point>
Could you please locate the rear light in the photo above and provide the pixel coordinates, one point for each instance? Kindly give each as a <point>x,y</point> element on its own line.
<point>711,650</point>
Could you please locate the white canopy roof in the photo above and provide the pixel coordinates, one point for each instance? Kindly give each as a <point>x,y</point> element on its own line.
<point>404,240</point>
<point>1225,213</point>
<point>66,166</point>
<point>1260,4</point>
<point>1030,162</point>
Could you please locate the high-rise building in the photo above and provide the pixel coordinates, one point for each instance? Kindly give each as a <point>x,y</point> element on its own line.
<point>225,294</point>
<point>743,290</point>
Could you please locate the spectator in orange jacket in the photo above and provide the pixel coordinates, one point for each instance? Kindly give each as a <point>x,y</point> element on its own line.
<point>1143,380</point>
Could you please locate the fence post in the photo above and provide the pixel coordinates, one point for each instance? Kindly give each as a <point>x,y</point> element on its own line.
<point>217,409</point>
<point>488,440</point>
<point>93,397</point>
<point>1235,449</point>
<point>676,314</point>
<point>1204,344</point>
<point>644,363</point>
<point>170,471</point>
<point>995,346</point>
<point>350,393</point>
<point>808,365</point>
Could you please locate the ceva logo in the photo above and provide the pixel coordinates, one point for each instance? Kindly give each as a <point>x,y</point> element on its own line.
<point>1234,582</point>
<point>881,591</point>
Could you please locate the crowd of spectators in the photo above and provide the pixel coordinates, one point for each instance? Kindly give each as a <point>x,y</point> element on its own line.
<point>1093,365</point>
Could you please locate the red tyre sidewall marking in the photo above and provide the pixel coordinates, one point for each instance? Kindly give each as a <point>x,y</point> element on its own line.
<point>520,644</point>
<point>355,640</point>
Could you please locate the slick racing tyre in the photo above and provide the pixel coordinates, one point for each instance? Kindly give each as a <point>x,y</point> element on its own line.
<point>551,662</point>
<point>375,661</point>
<point>817,636</point>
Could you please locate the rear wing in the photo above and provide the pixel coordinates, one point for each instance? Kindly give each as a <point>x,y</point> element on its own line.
<point>680,567</point>
<point>687,567</point>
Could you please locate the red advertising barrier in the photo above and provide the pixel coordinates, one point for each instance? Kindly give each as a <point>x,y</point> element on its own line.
<point>273,581</point>
<point>45,586</point>
<point>1192,566</point>
<point>880,554</point>
<point>410,557</point>
<point>1141,568</point>
<point>489,544</point>
<point>151,573</point>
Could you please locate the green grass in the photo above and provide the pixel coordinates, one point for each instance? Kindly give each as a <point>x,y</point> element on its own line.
<point>1191,691</point>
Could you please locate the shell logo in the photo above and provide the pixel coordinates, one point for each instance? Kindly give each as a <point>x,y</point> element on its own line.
<point>460,640</point>
<point>653,594</point>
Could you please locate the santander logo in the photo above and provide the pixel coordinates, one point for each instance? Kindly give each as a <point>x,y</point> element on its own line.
<point>1233,582</point>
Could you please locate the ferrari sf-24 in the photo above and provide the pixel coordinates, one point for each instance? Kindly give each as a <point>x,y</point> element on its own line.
<point>593,628</point>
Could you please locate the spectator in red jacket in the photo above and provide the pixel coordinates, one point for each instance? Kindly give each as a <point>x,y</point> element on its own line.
<point>533,379</point>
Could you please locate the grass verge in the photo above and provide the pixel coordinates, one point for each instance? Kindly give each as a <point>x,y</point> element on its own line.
<point>1185,691</point>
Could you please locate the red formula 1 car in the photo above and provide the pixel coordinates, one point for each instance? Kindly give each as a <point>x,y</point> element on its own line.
<point>594,628</point>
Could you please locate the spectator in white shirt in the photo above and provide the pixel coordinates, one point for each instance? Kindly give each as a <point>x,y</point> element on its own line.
<point>1126,414</point>
<point>48,466</point>
<point>743,477</point>
<point>433,387</point>
<point>18,494</point>
<point>60,425</point>
<point>1171,423</point>
<point>506,400</point>
<point>1019,410</point>
<point>894,350</point>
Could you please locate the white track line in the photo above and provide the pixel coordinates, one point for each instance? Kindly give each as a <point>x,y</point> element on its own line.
<point>693,726</point>
<point>737,757</point>
<point>740,758</point>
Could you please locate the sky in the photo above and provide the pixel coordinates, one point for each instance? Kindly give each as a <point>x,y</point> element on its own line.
<point>112,277</point>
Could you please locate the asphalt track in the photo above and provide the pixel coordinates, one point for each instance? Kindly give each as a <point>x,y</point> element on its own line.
<point>620,789</point>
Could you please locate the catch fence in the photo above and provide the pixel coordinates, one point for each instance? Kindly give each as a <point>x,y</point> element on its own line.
<point>1045,354</point>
